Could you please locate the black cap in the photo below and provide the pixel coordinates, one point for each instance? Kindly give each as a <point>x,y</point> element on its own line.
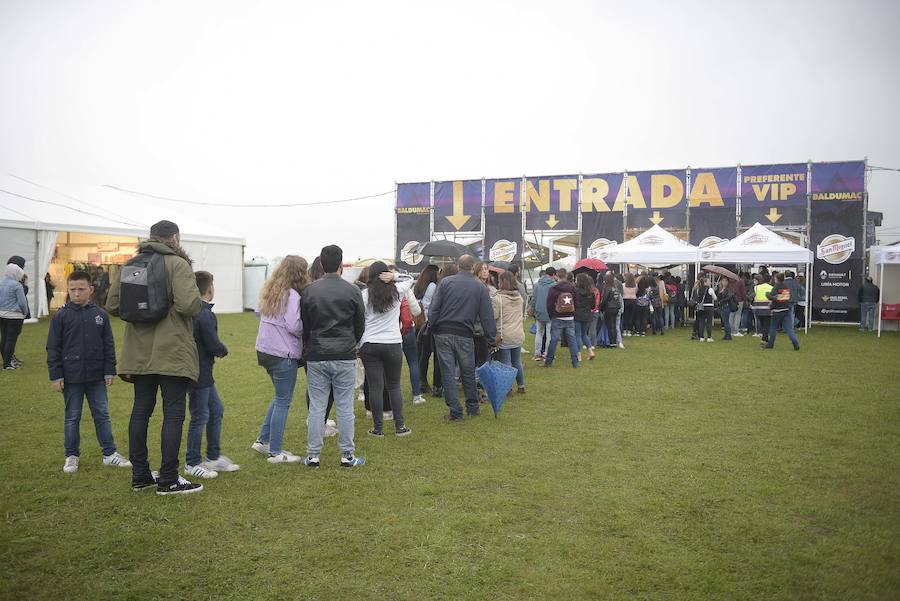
<point>17,260</point>
<point>163,229</point>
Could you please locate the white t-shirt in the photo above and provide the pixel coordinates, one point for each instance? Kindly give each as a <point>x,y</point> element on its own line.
<point>384,328</point>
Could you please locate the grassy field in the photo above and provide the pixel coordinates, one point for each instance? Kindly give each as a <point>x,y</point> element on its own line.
<point>670,470</point>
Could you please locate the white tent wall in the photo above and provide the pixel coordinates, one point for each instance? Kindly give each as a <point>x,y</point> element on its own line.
<point>886,276</point>
<point>226,263</point>
<point>23,242</point>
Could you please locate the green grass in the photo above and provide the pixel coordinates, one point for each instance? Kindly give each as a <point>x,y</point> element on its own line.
<point>672,470</point>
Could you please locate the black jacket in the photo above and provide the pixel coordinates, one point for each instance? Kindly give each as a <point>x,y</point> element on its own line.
<point>334,319</point>
<point>80,345</point>
<point>206,334</point>
<point>458,301</point>
<point>868,293</point>
<point>612,300</point>
<point>584,305</point>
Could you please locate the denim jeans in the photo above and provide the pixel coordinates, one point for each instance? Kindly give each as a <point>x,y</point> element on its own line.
<point>595,327</point>
<point>99,405</point>
<point>747,318</point>
<point>785,319</point>
<point>513,357</point>
<point>426,350</point>
<point>453,350</point>
<point>412,361</point>
<point>611,319</point>
<point>558,328</point>
<point>725,315</point>
<point>541,336</point>
<point>383,363</point>
<point>582,335</point>
<point>323,378</point>
<point>284,378</point>
<point>173,390</point>
<point>658,319</point>
<point>867,316</point>
<point>206,414</point>
<point>670,315</point>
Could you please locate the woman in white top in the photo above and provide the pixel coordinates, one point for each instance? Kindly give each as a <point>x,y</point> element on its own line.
<point>381,347</point>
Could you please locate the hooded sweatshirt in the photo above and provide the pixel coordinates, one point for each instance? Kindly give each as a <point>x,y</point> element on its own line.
<point>539,297</point>
<point>554,293</point>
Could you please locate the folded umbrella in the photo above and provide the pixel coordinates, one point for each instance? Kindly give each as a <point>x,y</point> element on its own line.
<point>497,379</point>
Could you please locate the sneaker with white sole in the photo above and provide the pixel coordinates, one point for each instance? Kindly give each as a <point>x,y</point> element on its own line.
<point>418,399</point>
<point>621,346</point>
<point>71,464</point>
<point>198,471</point>
<point>330,428</point>
<point>222,464</point>
<point>181,487</point>
<point>352,461</point>
<point>146,484</point>
<point>310,461</point>
<point>283,457</point>
<point>260,447</point>
<point>404,431</point>
<point>116,460</point>
<point>709,340</point>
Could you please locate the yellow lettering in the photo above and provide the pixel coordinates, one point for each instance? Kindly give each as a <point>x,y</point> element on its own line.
<point>662,183</point>
<point>705,190</point>
<point>540,198</point>
<point>565,187</point>
<point>787,190</point>
<point>761,191</point>
<point>593,194</point>
<point>504,200</point>
<point>635,196</point>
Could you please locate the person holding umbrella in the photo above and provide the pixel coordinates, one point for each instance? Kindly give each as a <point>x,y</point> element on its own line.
<point>725,301</point>
<point>507,304</point>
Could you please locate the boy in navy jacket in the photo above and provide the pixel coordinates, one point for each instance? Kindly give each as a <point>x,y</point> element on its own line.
<point>81,358</point>
<point>205,405</point>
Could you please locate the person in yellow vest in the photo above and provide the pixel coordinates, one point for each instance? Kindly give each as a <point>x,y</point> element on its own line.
<point>761,303</point>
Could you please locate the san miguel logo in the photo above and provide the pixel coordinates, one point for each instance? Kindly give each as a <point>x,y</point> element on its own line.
<point>409,254</point>
<point>711,241</point>
<point>652,241</point>
<point>835,248</point>
<point>503,250</point>
<point>755,239</point>
<point>599,248</point>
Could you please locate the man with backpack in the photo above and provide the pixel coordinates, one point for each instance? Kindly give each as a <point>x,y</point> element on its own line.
<point>561,309</point>
<point>157,296</point>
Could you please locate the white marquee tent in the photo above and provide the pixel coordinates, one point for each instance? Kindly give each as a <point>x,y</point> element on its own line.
<point>37,221</point>
<point>655,246</point>
<point>882,256</point>
<point>758,244</point>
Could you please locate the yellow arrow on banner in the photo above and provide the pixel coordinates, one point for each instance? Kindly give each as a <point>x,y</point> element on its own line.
<point>656,219</point>
<point>773,215</point>
<point>458,218</point>
<point>552,222</point>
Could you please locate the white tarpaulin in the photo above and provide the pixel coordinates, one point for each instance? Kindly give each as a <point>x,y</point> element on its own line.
<point>882,256</point>
<point>656,246</point>
<point>759,244</point>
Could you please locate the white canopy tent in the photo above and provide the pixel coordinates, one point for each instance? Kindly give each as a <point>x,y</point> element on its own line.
<point>759,244</point>
<point>881,256</point>
<point>655,246</point>
<point>34,215</point>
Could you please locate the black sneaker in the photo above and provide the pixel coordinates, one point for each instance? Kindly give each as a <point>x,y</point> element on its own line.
<point>352,461</point>
<point>181,487</point>
<point>139,485</point>
<point>376,433</point>
<point>437,391</point>
<point>404,431</point>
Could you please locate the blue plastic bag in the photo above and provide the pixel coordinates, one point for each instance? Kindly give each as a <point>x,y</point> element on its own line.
<point>497,379</point>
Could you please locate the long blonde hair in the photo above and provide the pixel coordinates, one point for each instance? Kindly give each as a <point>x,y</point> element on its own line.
<point>291,273</point>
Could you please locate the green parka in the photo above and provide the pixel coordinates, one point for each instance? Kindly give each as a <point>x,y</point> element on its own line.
<point>167,347</point>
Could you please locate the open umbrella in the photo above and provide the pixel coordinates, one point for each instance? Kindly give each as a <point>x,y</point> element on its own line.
<point>589,264</point>
<point>497,379</point>
<point>501,265</point>
<point>442,248</point>
<point>720,271</point>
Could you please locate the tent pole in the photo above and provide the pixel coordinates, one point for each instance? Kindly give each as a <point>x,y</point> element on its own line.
<point>880,288</point>
<point>807,293</point>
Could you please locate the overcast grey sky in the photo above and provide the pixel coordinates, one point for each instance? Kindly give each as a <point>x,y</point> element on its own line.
<point>296,101</point>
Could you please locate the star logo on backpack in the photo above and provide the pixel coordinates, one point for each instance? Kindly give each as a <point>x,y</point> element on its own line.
<point>98,319</point>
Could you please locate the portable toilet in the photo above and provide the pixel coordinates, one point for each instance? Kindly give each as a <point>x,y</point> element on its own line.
<point>256,270</point>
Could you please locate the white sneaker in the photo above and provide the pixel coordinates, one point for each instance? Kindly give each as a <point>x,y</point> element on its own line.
<point>368,413</point>
<point>116,460</point>
<point>198,471</point>
<point>621,346</point>
<point>284,457</point>
<point>71,465</point>
<point>418,399</point>
<point>260,447</point>
<point>362,396</point>
<point>222,464</point>
<point>709,340</point>
<point>703,340</point>
<point>330,428</point>
<point>388,416</point>
<point>739,334</point>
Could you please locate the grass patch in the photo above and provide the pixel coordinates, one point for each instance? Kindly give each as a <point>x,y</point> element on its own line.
<point>672,470</point>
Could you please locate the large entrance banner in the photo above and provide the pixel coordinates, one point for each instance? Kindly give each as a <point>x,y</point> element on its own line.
<point>773,195</point>
<point>657,198</point>
<point>413,224</point>
<point>837,220</point>
<point>551,203</point>
<point>713,205</point>
<point>457,206</point>
<point>602,222</point>
<point>502,219</point>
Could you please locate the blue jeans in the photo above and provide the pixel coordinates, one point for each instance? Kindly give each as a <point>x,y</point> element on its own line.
<point>867,316</point>
<point>206,414</point>
<point>284,377</point>
<point>412,361</point>
<point>558,328</point>
<point>725,315</point>
<point>670,315</point>
<point>583,335</point>
<point>785,319</point>
<point>453,350</point>
<point>595,327</point>
<point>323,378</point>
<point>513,357</point>
<point>99,405</point>
<point>540,335</point>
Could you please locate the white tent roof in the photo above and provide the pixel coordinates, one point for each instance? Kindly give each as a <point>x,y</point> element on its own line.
<point>759,244</point>
<point>94,209</point>
<point>656,246</point>
<point>885,254</point>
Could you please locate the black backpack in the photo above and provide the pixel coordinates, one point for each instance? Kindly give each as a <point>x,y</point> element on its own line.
<point>143,289</point>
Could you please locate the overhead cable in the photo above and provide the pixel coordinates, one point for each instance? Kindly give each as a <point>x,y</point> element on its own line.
<point>248,206</point>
